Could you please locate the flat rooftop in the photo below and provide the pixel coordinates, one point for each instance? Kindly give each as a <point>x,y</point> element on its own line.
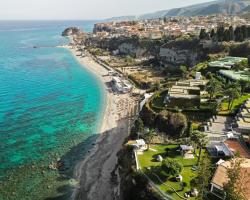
<point>235,75</point>
<point>226,62</point>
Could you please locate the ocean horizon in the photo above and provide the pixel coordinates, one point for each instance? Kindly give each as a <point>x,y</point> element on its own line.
<point>50,109</point>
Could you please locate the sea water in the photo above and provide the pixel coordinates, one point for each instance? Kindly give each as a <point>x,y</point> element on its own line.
<point>50,109</point>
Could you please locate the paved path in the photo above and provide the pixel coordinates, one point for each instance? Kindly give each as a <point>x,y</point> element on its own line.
<point>220,126</point>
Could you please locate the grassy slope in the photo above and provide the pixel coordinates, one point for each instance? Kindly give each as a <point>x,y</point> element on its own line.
<point>147,160</point>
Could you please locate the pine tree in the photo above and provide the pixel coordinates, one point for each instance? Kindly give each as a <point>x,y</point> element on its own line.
<point>212,33</point>
<point>248,31</point>
<point>236,187</point>
<point>220,33</point>
<point>204,175</point>
<point>231,33</point>
<point>238,34</point>
<point>226,36</point>
<point>203,34</point>
<point>244,31</point>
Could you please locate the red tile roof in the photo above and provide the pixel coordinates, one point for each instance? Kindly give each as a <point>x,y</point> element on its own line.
<point>235,146</point>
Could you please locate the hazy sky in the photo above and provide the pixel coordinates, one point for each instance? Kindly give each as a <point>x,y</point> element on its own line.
<point>84,9</point>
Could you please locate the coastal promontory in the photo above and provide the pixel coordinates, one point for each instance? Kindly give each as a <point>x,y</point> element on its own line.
<point>71,31</point>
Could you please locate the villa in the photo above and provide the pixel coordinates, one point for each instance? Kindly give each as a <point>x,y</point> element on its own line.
<point>219,149</point>
<point>186,92</point>
<point>220,178</point>
<point>227,149</point>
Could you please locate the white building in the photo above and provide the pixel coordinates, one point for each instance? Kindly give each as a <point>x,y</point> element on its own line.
<point>121,85</point>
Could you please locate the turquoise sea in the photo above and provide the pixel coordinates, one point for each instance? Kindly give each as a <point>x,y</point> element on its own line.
<point>50,107</point>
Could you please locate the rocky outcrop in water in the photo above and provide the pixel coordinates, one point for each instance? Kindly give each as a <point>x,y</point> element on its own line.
<point>71,31</point>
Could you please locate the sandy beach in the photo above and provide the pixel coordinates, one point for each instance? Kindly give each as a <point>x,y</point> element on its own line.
<point>94,173</point>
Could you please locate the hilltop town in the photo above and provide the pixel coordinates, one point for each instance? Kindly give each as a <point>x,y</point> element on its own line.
<point>190,132</point>
<point>165,27</point>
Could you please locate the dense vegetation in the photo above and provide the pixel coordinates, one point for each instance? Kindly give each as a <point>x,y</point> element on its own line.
<point>239,34</point>
<point>173,124</point>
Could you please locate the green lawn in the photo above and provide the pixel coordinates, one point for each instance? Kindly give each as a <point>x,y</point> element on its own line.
<point>236,104</point>
<point>148,160</point>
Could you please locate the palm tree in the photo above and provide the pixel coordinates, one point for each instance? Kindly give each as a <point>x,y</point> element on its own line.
<point>233,92</point>
<point>148,136</point>
<point>200,140</point>
<point>213,86</point>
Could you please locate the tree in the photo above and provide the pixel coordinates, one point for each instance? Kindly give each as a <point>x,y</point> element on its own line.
<point>212,33</point>
<point>231,33</point>
<point>213,86</point>
<point>220,33</point>
<point>244,32</point>
<point>174,124</point>
<point>236,186</point>
<point>245,85</point>
<point>203,34</point>
<point>200,141</point>
<point>148,137</point>
<point>204,174</point>
<point>178,123</point>
<point>138,127</point>
<point>248,31</point>
<point>226,35</point>
<point>171,167</point>
<point>240,65</point>
<point>233,92</point>
<point>184,71</point>
<point>239,37</point>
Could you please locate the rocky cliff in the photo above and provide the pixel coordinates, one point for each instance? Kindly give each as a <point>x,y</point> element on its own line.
<point>132,46</point>
<point>187,52</point>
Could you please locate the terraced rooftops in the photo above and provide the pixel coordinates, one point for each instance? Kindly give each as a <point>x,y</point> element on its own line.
<point>227,62</point>
<point>235,75</point>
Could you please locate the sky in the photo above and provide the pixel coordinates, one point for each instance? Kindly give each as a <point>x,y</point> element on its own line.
<point>84,9</point>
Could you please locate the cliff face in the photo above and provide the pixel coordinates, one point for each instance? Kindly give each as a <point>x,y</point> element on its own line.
<point>124,46</point>
<point>176,53</point>
<point>71,31</point>
<point>176,56</point>
<point>184,52</point>
<point>128,48</point>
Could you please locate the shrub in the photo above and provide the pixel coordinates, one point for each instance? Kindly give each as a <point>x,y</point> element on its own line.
<point>171,167</point>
